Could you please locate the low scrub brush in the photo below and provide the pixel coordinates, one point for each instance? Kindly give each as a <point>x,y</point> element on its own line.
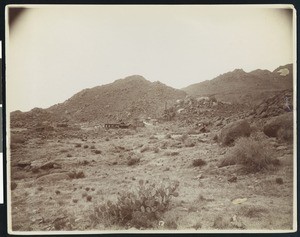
<point>253,155</point>
<point>140,208</point>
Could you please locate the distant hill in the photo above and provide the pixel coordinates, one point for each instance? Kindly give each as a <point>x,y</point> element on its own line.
<point>242,87</point>
<point>128,98</point>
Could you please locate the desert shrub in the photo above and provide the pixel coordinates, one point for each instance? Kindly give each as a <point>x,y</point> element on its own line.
<point>139,208</point>
<point>97,151</point>
<point>132,160</point>
<point>215,138</point>
<point>69,155</point>
<point>183,137</point>
<point>285,135</point>
<point>85,146</point>
<point>153,137</point>
<point>189,143</point>
<point>252,211</point>
<point>156,150</point>
<point>221,223</point>
<point>199,162</point>
<point>168,136</point>
<point>17,138</point>
<point>75,200</point>
<point>171,153</point>
<point>93,147</point>
<point>13,185</point>
<point>76,174</point>
<point>77,145</point>
<point>279,180</point>
<point>88,198</point>
<point>253,155</point>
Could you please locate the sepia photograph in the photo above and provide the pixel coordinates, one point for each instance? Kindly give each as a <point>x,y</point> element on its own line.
<point>151,118</point>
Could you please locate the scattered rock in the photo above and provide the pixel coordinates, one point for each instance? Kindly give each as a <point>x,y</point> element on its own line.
<point>50,165</point>
<point>239,200</point>
<point>233,179</point>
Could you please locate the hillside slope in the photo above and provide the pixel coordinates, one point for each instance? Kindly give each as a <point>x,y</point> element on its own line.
<point>242,87</point>
<point>128,98</point>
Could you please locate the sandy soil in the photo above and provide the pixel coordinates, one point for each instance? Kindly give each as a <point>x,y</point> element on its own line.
<point>47,199</point>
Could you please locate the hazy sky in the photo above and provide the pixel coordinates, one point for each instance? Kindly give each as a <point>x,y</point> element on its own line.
<point>54,52</point>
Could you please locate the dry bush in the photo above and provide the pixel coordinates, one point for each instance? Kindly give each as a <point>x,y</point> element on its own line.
<point>141,208</point>
<point>77,145</point>
<point>85,146</point>
<point>88,198</point>
<point>76,174</point>
<point>285,135</point>
<point>17,138</point>
<point>13,185</point>
<point>199,162</point>
<point>221,223</point>
<point>156,150</point>
<point>132,160</point>
<point>189,143</point>
<point>153,137</point>
<point>171,153</point>
<point>253,155</point>
<point>168,136</point>
<point>252,211</point>
<point>183,137</point>
<point>97,151</point>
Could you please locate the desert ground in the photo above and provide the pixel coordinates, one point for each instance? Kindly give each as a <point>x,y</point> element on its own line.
<point>167,175</point>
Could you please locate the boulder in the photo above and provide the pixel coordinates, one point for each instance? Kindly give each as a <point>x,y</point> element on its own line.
<point>233,131</point>
<point>281,122</point>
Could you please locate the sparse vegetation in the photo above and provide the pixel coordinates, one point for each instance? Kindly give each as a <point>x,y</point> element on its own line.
<point>88,198</point>
<point>279,180</point>
<point>97,151</point>
<point>17,139</point>
<point>13,185</point>
<point>76,174</point>
<point>285,135</point>
<point>199,162</point>
<point>171,153</point>
<point>253,155</point>
<point>65,191</point>
<point>133,160</point>
<point>221,223</point>
<point>140,209</point>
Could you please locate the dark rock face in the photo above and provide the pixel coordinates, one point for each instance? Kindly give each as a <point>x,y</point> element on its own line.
<point>233,131</point>
<point>282,122</point>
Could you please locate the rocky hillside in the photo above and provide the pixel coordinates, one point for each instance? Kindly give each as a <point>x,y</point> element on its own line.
<point>126,99</point>
<point>242,87</point>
